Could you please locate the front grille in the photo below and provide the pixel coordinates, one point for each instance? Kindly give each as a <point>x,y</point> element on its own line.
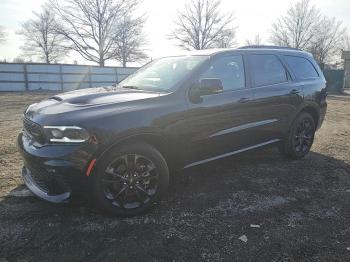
<point>34,130</point>
<point>40,179</point>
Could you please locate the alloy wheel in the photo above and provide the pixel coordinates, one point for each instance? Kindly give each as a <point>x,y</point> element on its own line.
<point>303,136</point>
<point>130,181</point>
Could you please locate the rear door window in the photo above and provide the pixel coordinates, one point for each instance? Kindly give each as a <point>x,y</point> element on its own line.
<point>267,70</point>
<point>301,67</point>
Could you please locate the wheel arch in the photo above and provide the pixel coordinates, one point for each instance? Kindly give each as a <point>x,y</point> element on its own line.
<point>158,141</point>
<point>306,108</point>
<point>313,112</point>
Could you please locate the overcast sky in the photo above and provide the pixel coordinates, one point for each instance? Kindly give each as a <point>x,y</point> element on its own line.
<point>252,17</point>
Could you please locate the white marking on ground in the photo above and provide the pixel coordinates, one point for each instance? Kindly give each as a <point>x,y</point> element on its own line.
<point>21,192</point>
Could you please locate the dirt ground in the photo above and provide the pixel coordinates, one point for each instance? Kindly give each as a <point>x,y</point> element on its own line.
<point>302,207</point>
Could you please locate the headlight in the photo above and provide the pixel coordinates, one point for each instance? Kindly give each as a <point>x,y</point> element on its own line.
<point>66,134</point>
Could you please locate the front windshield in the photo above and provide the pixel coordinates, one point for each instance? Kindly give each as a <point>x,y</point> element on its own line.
<point>163,74</point>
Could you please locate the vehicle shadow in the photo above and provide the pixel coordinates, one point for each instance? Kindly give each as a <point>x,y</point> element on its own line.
<point>206,209</point>
<point>256,165</point>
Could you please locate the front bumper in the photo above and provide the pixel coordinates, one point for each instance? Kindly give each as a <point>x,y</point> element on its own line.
<point>323,111</point>
<point>40,188</point>
<point>53,173</point>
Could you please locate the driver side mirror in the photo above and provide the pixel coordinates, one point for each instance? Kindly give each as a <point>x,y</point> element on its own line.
<point>206,86</point>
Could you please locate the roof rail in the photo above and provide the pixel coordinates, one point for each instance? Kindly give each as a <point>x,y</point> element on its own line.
<point>268,47</point>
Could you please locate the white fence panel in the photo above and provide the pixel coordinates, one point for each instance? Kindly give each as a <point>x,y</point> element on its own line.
<point>11,77</point>
<point>44,86</point>
<point>104,78</point>
<point>44,78</point>
<point>125,71</point>
<point>74,86</point>
<point>75,69</point>
<point>12,87</point>
<point>75,78</point>
<point>103,70</point>
<point>11,68</point>
<point>21,77</point>
<point>43,68</point>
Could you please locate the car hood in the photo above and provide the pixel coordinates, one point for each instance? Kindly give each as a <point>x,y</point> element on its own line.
<point>102,95</point>
<point>88,100</point>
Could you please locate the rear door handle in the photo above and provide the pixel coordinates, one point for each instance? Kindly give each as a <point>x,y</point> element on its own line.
<point>243,100</point>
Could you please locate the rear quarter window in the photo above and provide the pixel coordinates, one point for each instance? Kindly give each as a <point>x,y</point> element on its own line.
<point>301,67</point>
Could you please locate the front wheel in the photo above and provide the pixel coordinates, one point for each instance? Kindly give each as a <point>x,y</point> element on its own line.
<point>300,138</point>
<point>130,179</point>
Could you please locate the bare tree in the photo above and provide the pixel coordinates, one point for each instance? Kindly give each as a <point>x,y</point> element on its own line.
<point>201,25</point>
<point>304,27</point>
<point>90,25</point>
<point>296,28</point>
<point>2,35</point>
<point>346,44</point>
<point>328,40</point>
<point>255,41</point>
<point>41,38</point>
<point>129,40</point>
<point>18,60</point>
<point>226,39</point>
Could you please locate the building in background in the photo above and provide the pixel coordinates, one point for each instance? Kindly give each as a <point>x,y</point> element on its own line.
<point>346,57</point>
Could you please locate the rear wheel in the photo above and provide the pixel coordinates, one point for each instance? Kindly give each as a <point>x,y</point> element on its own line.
<point>300,138</point>
<point>129,180</point>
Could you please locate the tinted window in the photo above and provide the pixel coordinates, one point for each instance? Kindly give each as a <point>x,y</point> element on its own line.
<point>267,70</point>
<point>230,70</point>
<point>302,68</point>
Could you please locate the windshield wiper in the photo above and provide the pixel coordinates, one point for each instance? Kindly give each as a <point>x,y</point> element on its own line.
<point>131,87</point>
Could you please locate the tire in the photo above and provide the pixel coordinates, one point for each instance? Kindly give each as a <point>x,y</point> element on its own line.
<point>130,180</point>
<point>300,137</point>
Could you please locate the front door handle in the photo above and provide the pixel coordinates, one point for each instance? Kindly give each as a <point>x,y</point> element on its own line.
<point>243,100</point>
<point>294,92</point>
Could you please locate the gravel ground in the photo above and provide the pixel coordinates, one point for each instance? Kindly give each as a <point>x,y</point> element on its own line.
<point>284,210</point>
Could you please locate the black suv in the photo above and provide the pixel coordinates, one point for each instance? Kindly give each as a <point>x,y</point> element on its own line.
<point>118,143</point>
